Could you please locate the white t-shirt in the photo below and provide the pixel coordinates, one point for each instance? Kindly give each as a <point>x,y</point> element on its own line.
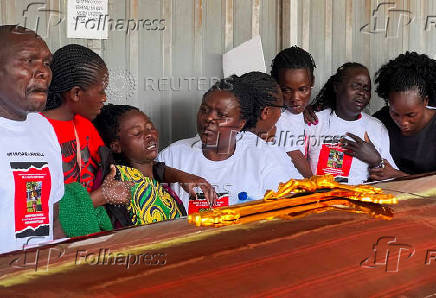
<point>327,157</point>
<point>31,181</point>
<point>252,169</point>
<point>290,132</point>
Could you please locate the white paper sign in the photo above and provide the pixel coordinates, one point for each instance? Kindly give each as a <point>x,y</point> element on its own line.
<point>244,58</point>
<point>87,19</point>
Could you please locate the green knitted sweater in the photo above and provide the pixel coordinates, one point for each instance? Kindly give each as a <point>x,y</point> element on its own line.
<point>77,214</point>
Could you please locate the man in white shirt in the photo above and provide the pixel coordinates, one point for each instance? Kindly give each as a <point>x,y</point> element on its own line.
<point>30,156</point>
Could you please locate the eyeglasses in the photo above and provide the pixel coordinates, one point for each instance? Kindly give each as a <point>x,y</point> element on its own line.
<point>283,108</point>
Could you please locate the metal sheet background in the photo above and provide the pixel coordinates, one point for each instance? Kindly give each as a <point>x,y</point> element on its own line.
<point>185,58</point>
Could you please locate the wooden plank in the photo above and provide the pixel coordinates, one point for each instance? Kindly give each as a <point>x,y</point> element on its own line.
<point>305,32</point>
<point>132,41</point>
<point>317,41</point>
<point>213,43</point>
<point>349,30</point>
<point>242,21</point>
<point>331,253</point>
<point>166,132</point>
<point>338,36</point>
<point>429,36</point>
<point>268,28</point>
<point>328,35</point>
<point>150,62</point>
<point>229,24</point>
<point>255,17</point>
<point>295,20</point>
<point>183,78</point>
<point>11,12</point>
<point>115,53</point>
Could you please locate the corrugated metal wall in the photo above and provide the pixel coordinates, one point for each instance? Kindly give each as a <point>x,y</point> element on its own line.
<point>165,72</point>
<point>367,31</point>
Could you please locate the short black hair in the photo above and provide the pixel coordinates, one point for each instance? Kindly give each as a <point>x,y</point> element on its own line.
<point>254,91</point>
<point>326,98</point>
<point>108,121</point>
<point>406,72</point>
<point>293,58</point>
<point>107,124</point>
<point>72,65</point>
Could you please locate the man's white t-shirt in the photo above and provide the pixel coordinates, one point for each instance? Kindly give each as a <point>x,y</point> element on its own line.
<point>253,169</point>
<point>327,157</point>
<point>31,181</point>
<point>290,133</point>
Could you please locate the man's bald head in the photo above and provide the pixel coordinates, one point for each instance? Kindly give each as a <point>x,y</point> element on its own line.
<point>13,35</point>
<point>24,72</point>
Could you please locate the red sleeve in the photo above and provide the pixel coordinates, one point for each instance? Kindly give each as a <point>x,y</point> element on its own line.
<point>94,140</point>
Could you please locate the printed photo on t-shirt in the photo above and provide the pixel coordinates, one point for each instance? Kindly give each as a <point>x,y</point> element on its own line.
<point>32,193</point>
<point>333,160</point>
<point>200,204</point>
<point>34,189</point>
<point>336,159</point>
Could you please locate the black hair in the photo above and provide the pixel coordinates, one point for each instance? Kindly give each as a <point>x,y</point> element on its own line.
<point>408,71</point>
<point>326,98</point>
<point>254,91</point>
<point>108,125</point>
<point>293,58</point>
<point>72,65</point>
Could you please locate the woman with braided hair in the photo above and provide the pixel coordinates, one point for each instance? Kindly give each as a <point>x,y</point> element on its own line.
<point>76,95</point>
<point>408,85</point>
<point>233,163</point>
<point>347,142</point>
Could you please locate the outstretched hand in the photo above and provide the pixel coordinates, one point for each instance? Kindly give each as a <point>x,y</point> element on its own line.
<point>116,192</point>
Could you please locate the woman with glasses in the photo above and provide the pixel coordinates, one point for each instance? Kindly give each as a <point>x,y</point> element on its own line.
<point>231,161</point>
<point>293,69</point>
<point>347,142</point>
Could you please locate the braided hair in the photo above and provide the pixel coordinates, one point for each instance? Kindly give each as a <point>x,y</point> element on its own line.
<point>254,90</point>
<point>108,125</point>
<point>326,97</point>
<point>293,58</point>
<point>72,65</point>
<point>408,71</point>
